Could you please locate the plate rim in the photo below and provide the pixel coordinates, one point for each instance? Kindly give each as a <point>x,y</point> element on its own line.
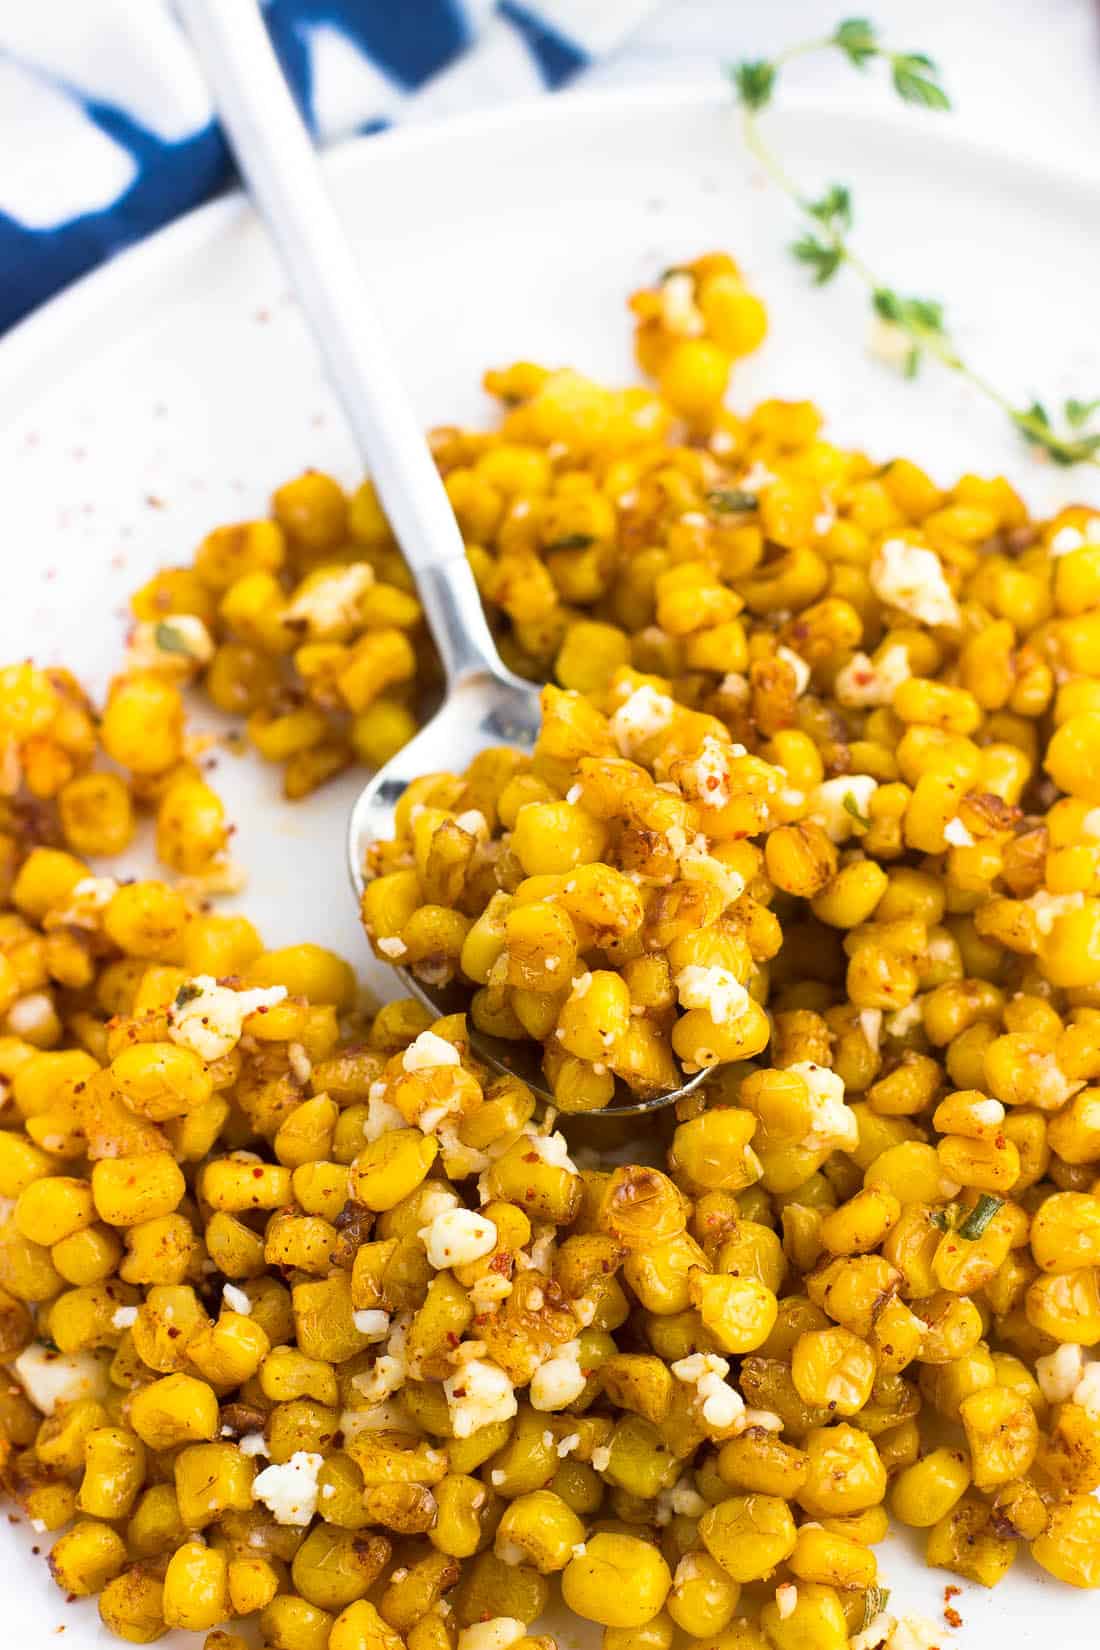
<point>64,314</point>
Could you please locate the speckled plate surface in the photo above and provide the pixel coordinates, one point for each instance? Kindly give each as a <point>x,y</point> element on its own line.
<point>175,388</point>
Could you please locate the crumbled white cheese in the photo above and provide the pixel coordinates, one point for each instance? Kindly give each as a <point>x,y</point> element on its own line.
<point>834,1126</point>
<point>459,1160</point>
<point>956,834</point>
<point>1090,825</point>
<point>429,1051</point>
<point>558,1381</point>
<point>863,683</point>
<point>714,989</point>
<point>209,1019</point>
<point>1049,907</point>
<point>552,1149</point>
<point>681,1501</point>
<point>679,311</point>
<point>372,1323</point>
<point>875,1634</point>
<point>392,946</point>
<point>1087,1391</point>
<point>478,1394</point>
<point>568,1444</point>
<point>458,1236</point>
<point>331,600</point>
<point>87,901</point>
<point>915,1633</point>
<point>786,1600</point>
<point>300,1063</point>
<point>643,716</point>
<point>289,1489</point>
<point>381,1116</point>
<point>52,1378</point>
<point>1066,540</point>
<point>574,794</point>
<point>835,803</point>
<point>174,645</point>
<point>474,823</point>
<point>495,1634</point>
<point>798,664</point>
<point>765,1419</point>
<point>988,1112</point>
<point>870,1023</point>
<point>911,577</point>
<point>756,478</point>
<point>32,1014</point>
<point>125,1317</point>
<point>1059,1372</point>
<point>906,1018</point>
<point>253,1443</point>
<point>236,1300</point>
<point>601,1457</point>
<point>707,775</point>
<point>720,1404</point>
<point>434,1200</point>
<point>698,865</point>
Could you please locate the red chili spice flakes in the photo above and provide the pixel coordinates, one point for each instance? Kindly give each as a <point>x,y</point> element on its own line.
<point>952,1617</point>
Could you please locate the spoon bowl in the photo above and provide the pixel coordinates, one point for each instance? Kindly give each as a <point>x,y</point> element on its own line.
<point>480,711</point>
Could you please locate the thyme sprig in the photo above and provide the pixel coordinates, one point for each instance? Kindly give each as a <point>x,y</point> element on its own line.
<point>917,325</point>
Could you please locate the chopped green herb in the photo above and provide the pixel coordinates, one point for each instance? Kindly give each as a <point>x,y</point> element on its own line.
<point>731,501</point>
<point>822,259</point>
<point>851,806</point>
<point>187,994</point>
<point>169,640</point>
<point>834,208</point>
<point>916,81</point>
<point>856,39</point>
<point>755,82</point>
<point>1037,427</point>
<point>875,1600</point>
<point>943,1218</point>
<point>980,1216</point>
<point>572,541</point>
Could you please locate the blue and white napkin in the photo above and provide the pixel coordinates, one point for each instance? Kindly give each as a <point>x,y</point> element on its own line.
<point>106,130</point>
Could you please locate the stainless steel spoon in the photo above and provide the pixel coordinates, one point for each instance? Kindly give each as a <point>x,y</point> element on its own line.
<point>485,704</point>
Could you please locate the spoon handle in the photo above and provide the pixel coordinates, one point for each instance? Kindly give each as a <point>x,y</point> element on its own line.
<point>278,162</point>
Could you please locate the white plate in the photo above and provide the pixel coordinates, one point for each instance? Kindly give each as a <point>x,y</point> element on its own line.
<point>175,388</point>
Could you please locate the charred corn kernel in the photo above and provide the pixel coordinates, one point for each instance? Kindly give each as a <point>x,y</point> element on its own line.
<point>1067,1549</point>
<point>129,1190</point>
<point>175,1410</point>
<point>833,1560</point>
<point>748,1535</point>
<point>833,1369</point>
<point>87,1557</point>
<point>114,1466</point>
<point>703,1597</point>
<point>132,1606</point>
<point>845,1472</point>
<point>291,1623</point>
<point>968,1541</point>
<point>55,1208</point>
<point>816,1619</point>
<point>619,1581</point>
<point>925,1492</point>
<point>211,1479</point>
<point>196,1587</point>
<point>237,1185</point>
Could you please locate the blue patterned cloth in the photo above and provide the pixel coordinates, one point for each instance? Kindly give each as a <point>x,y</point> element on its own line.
<point>106,129</point>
